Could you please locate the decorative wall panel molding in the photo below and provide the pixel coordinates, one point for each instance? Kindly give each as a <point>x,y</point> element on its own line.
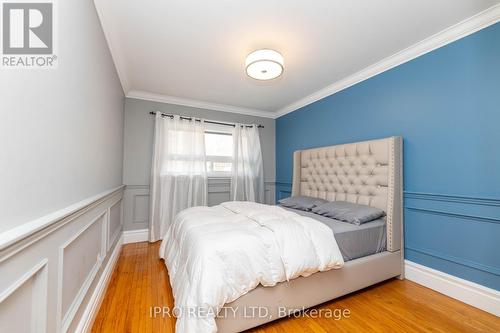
<point>140,208</point>
<point>283,190</point>
<point>136,200</point>
<point>89,313</point>
<point>454,234</point>
<point>71,248</point>
<point>23,304</point>
<point>136,207</point>
<point>79,261</point>
<point>14,240</point>
<point>114,222</point>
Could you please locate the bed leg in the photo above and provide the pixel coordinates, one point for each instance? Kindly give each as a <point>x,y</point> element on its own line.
<point>402,275</point>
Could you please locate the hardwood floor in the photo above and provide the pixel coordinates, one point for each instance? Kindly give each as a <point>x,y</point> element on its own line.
<point>140,281</point>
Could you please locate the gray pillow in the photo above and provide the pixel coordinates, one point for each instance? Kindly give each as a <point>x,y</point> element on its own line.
<point>348,212</point>
<point>301,202</point>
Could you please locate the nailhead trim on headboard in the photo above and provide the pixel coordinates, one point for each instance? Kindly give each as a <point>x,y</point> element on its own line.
<point>390,195</point>
<point>361,172</point>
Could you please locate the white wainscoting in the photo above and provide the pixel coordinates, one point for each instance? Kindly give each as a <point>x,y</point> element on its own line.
<point>22,304</point>
<point>54,270</point>
<point>136,200</point>
<point>136,207</point>
<point>79,261</point>
<point>114,213</point>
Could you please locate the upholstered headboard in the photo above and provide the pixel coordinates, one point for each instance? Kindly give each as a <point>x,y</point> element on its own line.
<point>368,172</point>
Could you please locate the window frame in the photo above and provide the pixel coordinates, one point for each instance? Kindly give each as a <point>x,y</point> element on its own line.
<point>219,130</point>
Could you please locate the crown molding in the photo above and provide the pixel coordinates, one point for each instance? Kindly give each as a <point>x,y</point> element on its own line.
<point>147,96</point>
<point>462,29</point>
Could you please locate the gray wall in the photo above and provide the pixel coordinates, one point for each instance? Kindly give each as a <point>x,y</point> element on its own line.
<point>61,142</point>
<point>138,145</point>
<point>61,130</point>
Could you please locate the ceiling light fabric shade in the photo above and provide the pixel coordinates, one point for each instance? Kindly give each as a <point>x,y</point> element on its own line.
<point>264,64</point>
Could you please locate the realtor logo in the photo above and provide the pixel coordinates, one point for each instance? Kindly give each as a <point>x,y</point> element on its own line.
<point>28,34</point>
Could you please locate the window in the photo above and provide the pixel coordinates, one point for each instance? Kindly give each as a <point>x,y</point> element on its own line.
<point>219,153</point>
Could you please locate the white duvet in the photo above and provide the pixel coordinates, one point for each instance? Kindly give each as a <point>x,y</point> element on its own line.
<point>215,255</point>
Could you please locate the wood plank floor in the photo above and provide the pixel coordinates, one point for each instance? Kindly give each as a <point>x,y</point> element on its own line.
<point>140,281</point>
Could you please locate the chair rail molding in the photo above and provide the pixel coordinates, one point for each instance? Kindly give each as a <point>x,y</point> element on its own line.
<point>18,238</point>
<point>136,202</point>
<point>450,217</point>
<point>77,247</point>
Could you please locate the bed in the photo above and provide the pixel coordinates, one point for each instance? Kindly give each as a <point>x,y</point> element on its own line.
<point>354,241</point>
<point>368,172</point>
<point>249,257</point>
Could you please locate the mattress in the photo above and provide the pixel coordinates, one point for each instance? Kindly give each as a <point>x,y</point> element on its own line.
<point>354,241</point>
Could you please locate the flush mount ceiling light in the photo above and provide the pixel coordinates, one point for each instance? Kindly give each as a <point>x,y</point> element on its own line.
<point>264,64</point>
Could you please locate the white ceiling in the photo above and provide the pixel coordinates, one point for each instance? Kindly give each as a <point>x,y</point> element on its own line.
<point>193,51</point>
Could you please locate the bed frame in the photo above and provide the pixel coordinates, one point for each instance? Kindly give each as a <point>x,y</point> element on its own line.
<point>368,172</point>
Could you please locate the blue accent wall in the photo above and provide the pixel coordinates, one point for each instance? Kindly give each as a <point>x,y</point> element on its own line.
<point>446,106</point>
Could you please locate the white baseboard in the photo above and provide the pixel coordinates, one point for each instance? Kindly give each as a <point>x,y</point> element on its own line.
<point>471,293</point>
<point>90,312</point>
<point>135,236</point>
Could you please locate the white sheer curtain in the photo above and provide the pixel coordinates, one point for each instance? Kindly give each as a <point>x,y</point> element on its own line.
<point>247,181</point>
<point>178,171</point>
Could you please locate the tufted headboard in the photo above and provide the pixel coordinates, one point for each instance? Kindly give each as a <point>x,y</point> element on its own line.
<point>368,172</point>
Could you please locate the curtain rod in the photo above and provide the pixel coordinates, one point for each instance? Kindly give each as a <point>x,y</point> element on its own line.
<point>207,121</point>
